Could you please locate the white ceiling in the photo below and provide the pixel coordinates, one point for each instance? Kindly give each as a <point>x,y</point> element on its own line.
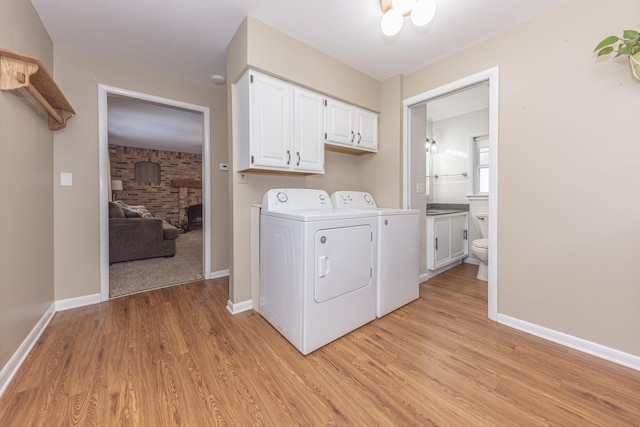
<point>188,38</point>
<point>137,123</point>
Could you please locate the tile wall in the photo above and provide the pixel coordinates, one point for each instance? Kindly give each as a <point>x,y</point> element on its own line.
<point>453,158</point>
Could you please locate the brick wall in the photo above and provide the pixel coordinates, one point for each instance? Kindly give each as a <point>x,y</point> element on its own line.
<point>163,201</point>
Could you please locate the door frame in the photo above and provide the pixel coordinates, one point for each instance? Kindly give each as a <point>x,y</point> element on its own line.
<point>491,76</point>
<point>103,154</point>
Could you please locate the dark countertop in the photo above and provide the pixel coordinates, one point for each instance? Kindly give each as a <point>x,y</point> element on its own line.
<point>446,208</point>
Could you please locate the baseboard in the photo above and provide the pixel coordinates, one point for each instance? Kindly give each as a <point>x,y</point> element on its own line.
<point>239,307</point>
<point>69,303</point>
<point>218,274</point>
<point>433,273</point>
<point>11,367</point>
<point>597,350</point>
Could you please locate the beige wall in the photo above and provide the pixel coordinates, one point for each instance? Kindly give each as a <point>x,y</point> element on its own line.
<point>26,189</point>
<point>569,205</point>
<point>76,208</point>
<point>263,48</point>
<point>381,174</point>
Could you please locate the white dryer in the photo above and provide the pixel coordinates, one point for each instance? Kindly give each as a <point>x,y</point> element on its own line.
<point>317,267</point>
<point>398,255</point>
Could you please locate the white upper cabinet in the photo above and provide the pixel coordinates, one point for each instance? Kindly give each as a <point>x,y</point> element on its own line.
<point>350,129</point>
<point>367,130</point>
<point>308,141</point>
<point>280,127</point>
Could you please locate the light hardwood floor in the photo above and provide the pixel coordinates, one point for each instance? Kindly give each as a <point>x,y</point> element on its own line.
<point>175,356</point>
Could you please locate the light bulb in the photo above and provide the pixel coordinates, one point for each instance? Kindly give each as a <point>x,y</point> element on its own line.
<point>423,12</point>
<point>391,23</point>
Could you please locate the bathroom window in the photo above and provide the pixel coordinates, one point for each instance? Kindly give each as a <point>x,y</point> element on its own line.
<point>481,165</point>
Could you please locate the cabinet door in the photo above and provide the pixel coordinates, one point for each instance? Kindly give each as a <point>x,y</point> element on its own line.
<point>367,130</point>
<point>271,123</point>
<point>340,117</point>
<point>442,241</point>
<point>308,154</point>
<point>459,247</point>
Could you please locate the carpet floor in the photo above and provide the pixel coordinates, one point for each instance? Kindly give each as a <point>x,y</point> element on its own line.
<point>136,276</point>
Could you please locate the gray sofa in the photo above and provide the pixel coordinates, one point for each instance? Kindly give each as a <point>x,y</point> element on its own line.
<point>132,237</point>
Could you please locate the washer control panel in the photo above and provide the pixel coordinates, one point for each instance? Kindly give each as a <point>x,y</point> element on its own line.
<point>353,200</point>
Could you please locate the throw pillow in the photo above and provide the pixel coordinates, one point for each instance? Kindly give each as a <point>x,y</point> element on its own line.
<point>144,212</point>
<point>115,210</point>
<point>130,213</point>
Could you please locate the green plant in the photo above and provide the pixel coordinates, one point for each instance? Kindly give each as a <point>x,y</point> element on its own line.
<point>629,44</point>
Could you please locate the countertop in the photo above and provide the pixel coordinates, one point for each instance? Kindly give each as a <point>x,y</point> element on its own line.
<point>431,212</point>
<point>446,208</point>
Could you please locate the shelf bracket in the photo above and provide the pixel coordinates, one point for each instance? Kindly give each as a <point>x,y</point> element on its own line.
<point>22,71</point>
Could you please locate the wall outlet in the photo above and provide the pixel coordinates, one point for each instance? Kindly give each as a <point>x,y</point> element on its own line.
<point>242,178</point>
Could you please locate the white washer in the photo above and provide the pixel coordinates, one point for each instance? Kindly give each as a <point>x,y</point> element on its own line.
<point>317,267</point>
<point>398,253</point>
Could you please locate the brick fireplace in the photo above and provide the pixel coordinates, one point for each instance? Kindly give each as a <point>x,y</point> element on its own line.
<point>180,183</point>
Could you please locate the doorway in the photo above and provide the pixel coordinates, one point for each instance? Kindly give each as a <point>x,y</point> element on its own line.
<point>104,94</point>
<point>419,146</point>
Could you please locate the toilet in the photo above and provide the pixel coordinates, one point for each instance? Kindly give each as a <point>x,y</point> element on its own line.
<point>479,248</point>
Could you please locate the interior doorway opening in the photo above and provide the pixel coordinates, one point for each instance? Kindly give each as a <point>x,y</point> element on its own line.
<point>420,168</point>
<point>107,93</point>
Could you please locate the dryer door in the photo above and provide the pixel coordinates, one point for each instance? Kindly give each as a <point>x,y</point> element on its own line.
<point>343,258</point>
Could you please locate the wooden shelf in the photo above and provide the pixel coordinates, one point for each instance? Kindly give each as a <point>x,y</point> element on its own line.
<point>190,183</point>
<point>23,71</point>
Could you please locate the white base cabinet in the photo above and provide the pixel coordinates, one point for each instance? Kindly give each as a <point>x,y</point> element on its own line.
<point>447,239</point>
<point>280,126</point>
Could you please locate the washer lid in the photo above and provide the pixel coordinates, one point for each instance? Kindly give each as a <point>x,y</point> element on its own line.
<point>308,215</point>
<point>481,243</point>
<point>396,211</point>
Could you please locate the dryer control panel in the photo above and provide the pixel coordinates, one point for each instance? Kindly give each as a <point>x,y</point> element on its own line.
<point>283,199</point>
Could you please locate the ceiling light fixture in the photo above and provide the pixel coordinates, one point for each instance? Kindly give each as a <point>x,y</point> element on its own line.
<point>420,11</point>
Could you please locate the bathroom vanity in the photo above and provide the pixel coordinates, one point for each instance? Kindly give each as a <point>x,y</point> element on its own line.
<point>447,235</point>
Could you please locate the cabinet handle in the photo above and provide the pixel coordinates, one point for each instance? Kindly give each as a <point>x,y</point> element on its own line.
<point>359,137</point>
<point>436,243</point>
<point>298,154</point>
<point>288,157</point>
<point>465,234</point>
<point>353,136</point>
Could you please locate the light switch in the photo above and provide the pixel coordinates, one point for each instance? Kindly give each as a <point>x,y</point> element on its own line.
<point>66,179</point>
